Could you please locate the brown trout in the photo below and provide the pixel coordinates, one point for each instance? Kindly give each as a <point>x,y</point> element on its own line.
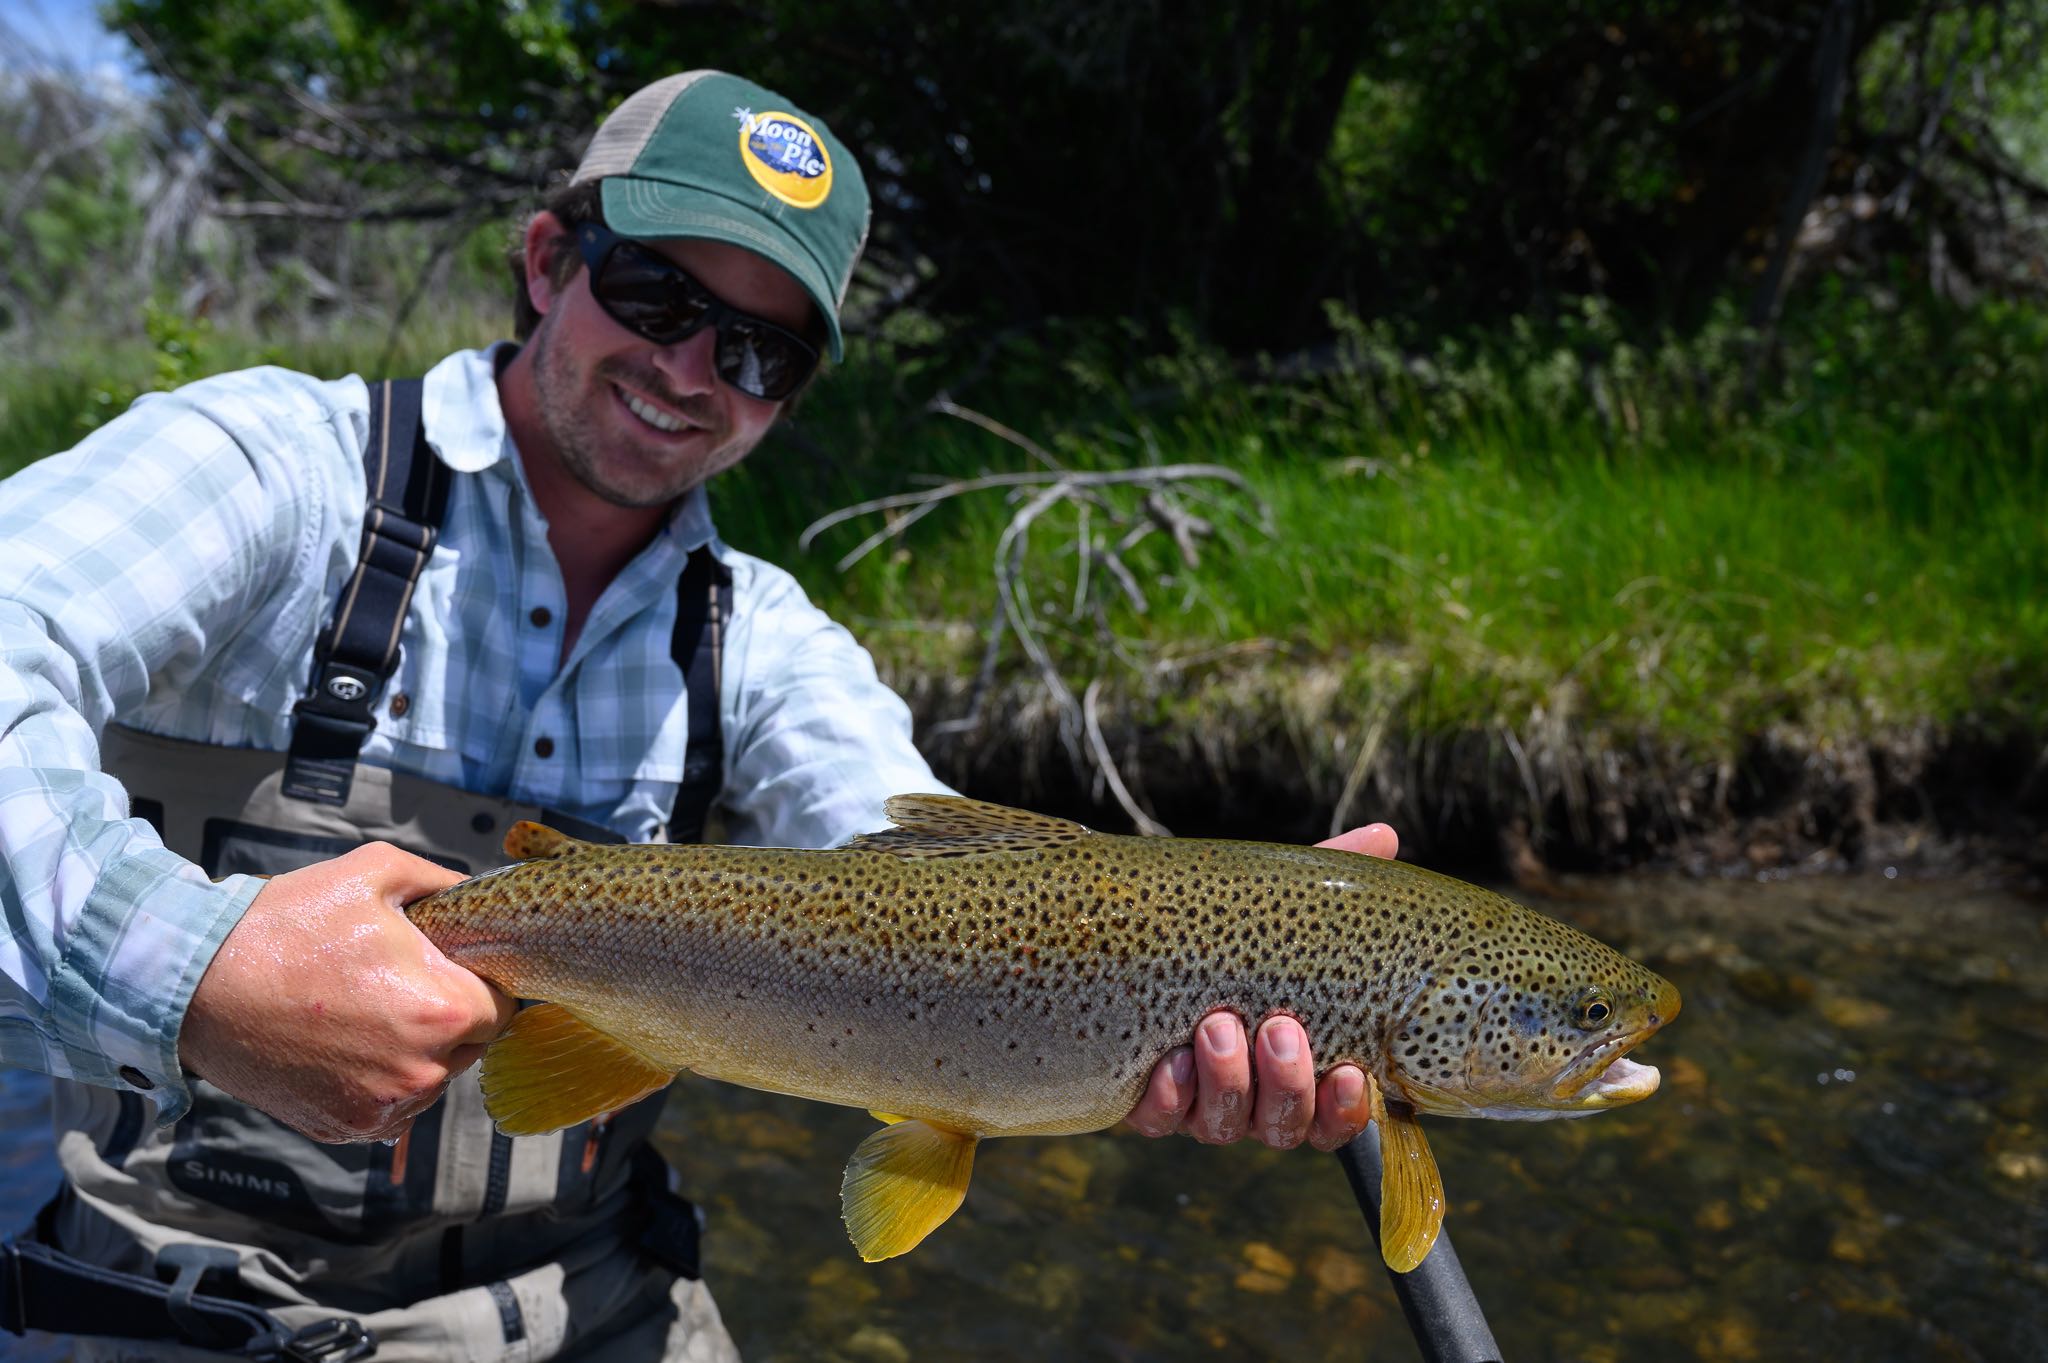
<point>981,971</point>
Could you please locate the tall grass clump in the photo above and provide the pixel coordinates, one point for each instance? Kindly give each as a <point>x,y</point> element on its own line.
<point>1551,521</point>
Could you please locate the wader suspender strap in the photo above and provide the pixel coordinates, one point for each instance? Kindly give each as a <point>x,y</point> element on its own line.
<point>703,605</point>
<point>42,1288</point>
<point>358,651</point>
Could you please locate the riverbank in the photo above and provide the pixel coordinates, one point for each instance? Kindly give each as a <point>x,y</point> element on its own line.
<point>1547,599</point>
<point>1494,805</point>
<point>1552,597</point>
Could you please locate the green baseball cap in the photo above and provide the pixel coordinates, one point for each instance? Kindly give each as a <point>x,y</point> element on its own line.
<point>705,154</point>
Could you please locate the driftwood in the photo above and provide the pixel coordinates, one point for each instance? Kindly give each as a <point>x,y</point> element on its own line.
<point>1109,524</point>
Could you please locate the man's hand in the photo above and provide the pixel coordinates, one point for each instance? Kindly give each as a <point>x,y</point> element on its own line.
<point>1207,1091</point>
<point>328,1010</point>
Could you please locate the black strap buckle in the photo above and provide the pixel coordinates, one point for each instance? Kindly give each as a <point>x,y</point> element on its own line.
<point>339,1340</point>
<point>357,652</point>
<point>344,692</point>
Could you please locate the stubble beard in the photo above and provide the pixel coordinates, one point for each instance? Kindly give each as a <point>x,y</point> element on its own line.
<point>566,401</point>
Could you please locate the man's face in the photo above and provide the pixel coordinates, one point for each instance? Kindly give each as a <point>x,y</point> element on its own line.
<point>636,423</point>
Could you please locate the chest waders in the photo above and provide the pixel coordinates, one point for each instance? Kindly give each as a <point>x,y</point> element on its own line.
<point>456,1242</point>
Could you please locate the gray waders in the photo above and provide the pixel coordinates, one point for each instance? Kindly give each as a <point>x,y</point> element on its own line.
<point>456,1242</point>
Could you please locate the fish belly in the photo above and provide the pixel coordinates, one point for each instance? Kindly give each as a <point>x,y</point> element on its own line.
<point>955,1057</point>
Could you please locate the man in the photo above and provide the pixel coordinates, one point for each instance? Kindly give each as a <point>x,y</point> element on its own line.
<point>286,627</point>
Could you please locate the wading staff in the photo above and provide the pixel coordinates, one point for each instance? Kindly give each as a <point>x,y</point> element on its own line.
<point>1448,1324</point>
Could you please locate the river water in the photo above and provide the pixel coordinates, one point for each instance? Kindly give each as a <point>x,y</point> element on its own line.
<point>1848,1160</point>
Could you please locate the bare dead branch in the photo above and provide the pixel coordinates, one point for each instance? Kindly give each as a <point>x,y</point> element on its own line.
<point>1075,478</point>
<point>1109,523</point>
<point>338,213</point>
<point>945,406</point>
<point>1144,822</point>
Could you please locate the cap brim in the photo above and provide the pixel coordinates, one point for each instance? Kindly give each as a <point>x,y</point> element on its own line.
<point>635,207</point>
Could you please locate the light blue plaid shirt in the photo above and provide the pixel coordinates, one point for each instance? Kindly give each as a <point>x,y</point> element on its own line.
<point>172,571</point>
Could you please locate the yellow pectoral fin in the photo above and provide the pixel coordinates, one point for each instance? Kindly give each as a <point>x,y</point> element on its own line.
<point>1411,1189</point>
<point>902,1183</point>
<point>550,1069</point>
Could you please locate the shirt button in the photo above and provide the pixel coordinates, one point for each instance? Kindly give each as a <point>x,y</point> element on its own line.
<point>137,1077</point>
<point>543,747</point>
<point>541,616</point>
<point>400,703</point>
<point>482,823</point>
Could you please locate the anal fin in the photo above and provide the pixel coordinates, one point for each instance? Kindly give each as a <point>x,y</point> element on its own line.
<point>1411,1189</point>
<point>902,1183</point>
<point>550,1069</point>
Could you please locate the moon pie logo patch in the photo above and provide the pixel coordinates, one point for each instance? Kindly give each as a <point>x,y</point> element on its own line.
<point>785,156</point>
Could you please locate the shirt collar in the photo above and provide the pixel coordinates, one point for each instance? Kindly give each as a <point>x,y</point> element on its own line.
<point>459,403</point>
<point>466,427</point>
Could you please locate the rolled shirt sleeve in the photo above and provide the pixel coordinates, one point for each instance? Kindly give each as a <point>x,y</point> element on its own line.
<point>815,742</point>
<point>123,564</point>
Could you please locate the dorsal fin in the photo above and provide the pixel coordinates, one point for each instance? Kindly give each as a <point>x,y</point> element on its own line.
<point>530,841</point>
<point>951,825</point>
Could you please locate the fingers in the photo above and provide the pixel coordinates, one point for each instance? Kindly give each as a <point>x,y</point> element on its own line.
<point>462,1057</point>
<point>400,876</point>
<point>1287,1084</point>
<point>328,1010</point>
<point>1374,840</point>
<point>362,1119</point>
<point>1167,1097</point>
<point>1223,1081</point>
<point>1222,1090</point>
<point>486,1010</point>
<point>1342,1108</point>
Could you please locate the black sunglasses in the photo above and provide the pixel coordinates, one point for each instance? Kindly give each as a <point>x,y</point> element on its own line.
<point>650,295</point>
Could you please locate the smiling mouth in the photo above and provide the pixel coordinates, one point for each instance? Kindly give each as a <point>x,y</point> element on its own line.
<point>668,423</point>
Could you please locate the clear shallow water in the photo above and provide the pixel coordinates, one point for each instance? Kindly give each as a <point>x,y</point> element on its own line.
<point>1849,1160</point>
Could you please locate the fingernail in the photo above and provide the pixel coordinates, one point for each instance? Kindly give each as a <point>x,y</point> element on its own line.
<point>1284,1041</point>
<point>1181,1065</point>
<point>1350,1087</point>
<point>1222,1034</point>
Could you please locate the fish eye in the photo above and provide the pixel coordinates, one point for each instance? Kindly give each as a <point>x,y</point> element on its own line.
<point>1592,1010</point>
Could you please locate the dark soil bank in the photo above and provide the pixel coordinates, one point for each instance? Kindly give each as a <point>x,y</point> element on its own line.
<point>1501,804</point>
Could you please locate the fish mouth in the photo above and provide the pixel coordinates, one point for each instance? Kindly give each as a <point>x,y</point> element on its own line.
<point>1603,1076</point>
<point>1621,1081</point>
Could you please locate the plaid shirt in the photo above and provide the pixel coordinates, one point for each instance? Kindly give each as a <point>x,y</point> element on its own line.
<point>173,570</point>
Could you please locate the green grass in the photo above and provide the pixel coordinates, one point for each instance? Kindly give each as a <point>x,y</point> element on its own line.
<point>1860,548</point>
<point>1549,525</point>
<point>55,389</point>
